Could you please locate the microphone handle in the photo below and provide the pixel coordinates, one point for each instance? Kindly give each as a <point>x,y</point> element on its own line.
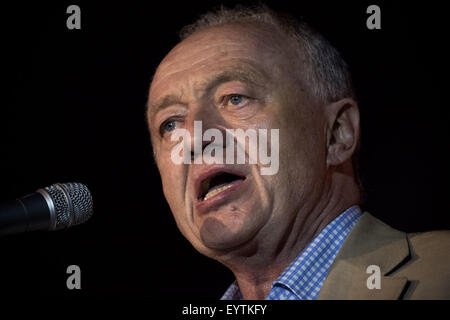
<point>27,213</point>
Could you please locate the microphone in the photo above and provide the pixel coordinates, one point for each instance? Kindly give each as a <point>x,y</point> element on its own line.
<point>56,207</point>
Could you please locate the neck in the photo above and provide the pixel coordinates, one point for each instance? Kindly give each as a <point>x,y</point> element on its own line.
<point>259,265</point>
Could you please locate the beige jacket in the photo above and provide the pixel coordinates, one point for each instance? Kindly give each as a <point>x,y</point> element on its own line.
<point>413,266</point>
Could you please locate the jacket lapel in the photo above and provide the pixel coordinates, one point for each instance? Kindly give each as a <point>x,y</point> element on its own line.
<point>371,242</point>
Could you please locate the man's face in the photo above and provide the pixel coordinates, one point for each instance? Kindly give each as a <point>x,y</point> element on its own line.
<point>232,77</point>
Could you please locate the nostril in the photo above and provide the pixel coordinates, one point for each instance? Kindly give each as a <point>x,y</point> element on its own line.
<point>205,143</point>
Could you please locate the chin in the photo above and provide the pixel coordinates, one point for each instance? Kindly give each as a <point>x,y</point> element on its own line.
<point>216,235</point>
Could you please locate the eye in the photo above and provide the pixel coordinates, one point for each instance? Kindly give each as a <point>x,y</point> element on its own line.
<point>235,99</point>
<point>167,126</point>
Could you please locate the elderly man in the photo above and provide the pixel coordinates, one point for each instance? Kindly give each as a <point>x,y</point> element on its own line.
<point>297,232</point>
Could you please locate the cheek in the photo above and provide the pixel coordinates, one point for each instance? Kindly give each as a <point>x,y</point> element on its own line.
<point>302,156</point>
<point>173,184</point>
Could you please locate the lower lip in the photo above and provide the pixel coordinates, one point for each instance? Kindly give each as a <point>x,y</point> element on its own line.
<point>204,205</point>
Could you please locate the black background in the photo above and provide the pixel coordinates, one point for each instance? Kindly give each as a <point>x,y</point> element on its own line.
<point>73,110</point>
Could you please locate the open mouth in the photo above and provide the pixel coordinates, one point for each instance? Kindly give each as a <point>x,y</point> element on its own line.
<point>218,183</point>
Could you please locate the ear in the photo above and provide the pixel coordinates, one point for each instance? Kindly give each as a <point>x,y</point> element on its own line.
<point>342,130</point>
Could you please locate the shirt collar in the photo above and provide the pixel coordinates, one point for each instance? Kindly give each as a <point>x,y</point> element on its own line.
<point>304,277</point>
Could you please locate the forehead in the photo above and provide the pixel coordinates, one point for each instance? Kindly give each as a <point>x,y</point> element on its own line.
<point>214,50</point>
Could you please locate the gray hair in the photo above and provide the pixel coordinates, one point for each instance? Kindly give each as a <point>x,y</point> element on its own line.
<point>325,72</point>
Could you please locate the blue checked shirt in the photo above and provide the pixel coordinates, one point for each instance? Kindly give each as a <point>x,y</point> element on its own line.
<point>304,277</point>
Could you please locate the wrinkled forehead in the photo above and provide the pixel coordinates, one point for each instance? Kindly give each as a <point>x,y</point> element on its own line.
<point>214,49</point>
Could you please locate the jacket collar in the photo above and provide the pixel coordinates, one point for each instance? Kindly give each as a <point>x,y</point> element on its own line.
<point>371,242</point>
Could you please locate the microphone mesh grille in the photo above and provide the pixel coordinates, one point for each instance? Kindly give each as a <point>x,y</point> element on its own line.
<point>61,204</point>
<point>73,203</point>
<point>81,200</point>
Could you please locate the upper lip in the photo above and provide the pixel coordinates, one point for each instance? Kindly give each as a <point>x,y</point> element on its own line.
<point>211,172</point>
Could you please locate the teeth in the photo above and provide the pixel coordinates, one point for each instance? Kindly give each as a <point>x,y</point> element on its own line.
<point>213,192</point>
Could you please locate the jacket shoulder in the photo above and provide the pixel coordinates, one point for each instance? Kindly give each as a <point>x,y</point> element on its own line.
<point>429,265</point>
<point>436,241</point>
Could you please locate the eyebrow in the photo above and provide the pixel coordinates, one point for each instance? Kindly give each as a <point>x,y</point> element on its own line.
<point>246,74</point>
<point>164,102</point>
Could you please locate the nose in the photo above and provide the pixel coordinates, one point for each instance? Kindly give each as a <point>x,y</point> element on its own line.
<point>198,152</point>
<point>200,121</point>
